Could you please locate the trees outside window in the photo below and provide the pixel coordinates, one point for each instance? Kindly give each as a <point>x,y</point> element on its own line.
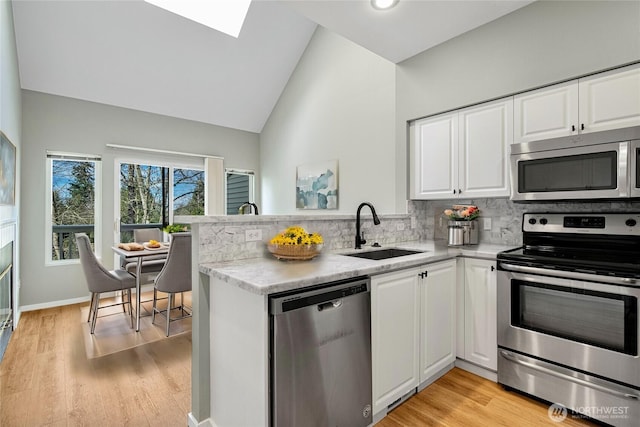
<point>188,192</point>
<point>73,207</point>
<point>151,195</point>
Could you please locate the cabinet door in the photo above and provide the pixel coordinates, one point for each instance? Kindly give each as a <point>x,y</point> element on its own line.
<point>610,100</point>
<point>486,133</point>
<point>435,157</point>
<point>546,113</point>
<point>394,335</point>
<point>460,290</point>
<point>481,346</point>
<point>438,318</point>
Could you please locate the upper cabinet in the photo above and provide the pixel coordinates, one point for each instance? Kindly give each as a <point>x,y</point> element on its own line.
<point>546,113</point>
<point>600,102</point>
<point>610,100</point>
<point>486,132</point>
<point>463,154</point>
<point>434,157</point>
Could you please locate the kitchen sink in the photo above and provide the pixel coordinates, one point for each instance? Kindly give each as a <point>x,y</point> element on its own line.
<point>384,253</point>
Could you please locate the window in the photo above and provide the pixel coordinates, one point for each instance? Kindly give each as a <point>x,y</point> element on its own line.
<point>74,204</point>
<point>188,192</point>
<point>240,189</point>
<point>150,196</point>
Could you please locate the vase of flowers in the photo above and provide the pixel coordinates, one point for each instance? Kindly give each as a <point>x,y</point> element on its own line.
<point>462,226</point>
<point>295,243</point>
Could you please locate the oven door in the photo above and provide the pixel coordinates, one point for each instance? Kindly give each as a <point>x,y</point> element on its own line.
<point>635,169</point>
<point>580,172</point>
<point>578,323</point>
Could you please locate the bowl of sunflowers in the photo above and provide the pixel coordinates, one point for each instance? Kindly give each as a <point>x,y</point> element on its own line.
<point>295,243</point>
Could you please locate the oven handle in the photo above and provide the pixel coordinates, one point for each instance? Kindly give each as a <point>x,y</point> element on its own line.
<point>628,281</point>
<point>513,358</point>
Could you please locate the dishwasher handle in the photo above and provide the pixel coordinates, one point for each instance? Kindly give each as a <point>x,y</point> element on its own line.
<point>330,305</point>
<point>328,296</point>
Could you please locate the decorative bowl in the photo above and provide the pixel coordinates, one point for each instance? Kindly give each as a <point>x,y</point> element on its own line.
<point>295,252</point>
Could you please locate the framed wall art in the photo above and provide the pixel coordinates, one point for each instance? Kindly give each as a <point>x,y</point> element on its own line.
<point>317,185</point>
<point>7,171</point>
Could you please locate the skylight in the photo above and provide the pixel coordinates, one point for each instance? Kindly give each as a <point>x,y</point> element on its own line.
<point>226,16</point>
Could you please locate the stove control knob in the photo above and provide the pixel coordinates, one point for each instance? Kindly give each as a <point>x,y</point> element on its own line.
<point>532,221</point>
<point>543,221</point>
<point>630,222</point>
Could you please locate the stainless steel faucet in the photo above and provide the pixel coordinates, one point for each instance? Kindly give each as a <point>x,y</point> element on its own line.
<point>250,206</point>
<point>360,236</point>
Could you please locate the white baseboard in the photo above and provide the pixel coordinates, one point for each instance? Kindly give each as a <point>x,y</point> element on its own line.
<point>478,370</point>
<point>60,303</point>
<point>192,422</point>
<point>52,304</point>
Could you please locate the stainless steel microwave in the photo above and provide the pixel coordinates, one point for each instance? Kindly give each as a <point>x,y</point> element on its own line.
<point>599,165</point>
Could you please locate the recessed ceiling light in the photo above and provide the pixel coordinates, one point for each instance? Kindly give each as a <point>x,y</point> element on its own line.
<point>383,4</point>
<point>226,16</point>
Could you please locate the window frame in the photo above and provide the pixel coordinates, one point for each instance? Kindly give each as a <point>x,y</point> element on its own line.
<point>97,204</point>
<point>168,162</point>
<point>252,184</point>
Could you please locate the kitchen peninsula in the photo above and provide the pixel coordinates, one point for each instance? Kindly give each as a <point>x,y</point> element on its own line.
<point>233,278</point>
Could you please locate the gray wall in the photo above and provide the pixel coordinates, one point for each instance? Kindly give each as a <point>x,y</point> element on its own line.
<point>10,119</point>
<point>338,104</point>
<point>64,124</point>
<point>539,44</point>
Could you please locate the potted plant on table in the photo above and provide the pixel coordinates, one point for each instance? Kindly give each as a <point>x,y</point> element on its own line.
<point>174,228</point>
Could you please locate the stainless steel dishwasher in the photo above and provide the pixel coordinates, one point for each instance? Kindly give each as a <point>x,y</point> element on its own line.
<point>320,354</point>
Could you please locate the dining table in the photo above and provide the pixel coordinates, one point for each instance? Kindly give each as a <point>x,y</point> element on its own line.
<point>140,256</point>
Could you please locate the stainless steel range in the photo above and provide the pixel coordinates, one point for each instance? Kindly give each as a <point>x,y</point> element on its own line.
<point>568,320</point>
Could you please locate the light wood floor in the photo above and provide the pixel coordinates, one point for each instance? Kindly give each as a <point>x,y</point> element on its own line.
<point>55,374</point>
<point>461,398</point>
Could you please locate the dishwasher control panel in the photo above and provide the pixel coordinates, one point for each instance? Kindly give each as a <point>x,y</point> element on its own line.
<point>293,300</point>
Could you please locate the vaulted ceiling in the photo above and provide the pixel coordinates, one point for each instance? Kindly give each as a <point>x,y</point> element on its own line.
<point>132,54</point>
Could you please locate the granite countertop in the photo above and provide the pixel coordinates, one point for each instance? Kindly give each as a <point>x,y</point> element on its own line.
<point>268,275</point>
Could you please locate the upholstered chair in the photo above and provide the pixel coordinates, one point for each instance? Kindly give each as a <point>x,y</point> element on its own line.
<point>141,235</point>
<point>174,278</point>
<point>151,264</point>
<point>100,280</point>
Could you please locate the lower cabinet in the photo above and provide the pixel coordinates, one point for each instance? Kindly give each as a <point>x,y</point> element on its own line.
<point>395,317</point>
<point>412,328</point>
<point>423,317</point>
<point>437,318</point>
<point>480,312</point>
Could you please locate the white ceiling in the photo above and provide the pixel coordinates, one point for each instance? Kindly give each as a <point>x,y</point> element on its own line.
<point>411,27</point>
<point>132,54</point>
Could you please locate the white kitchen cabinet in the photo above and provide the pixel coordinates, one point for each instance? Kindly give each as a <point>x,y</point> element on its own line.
<point>610,100</point>
<point>485,135</point>
<point>463,154</point>
<point>600,102</point>
<point>546,113</point>
<point>437,318</point>
<point>480,313</point>
<point>434,157</point>
<point>413,328</point>
<point>395,325</point>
